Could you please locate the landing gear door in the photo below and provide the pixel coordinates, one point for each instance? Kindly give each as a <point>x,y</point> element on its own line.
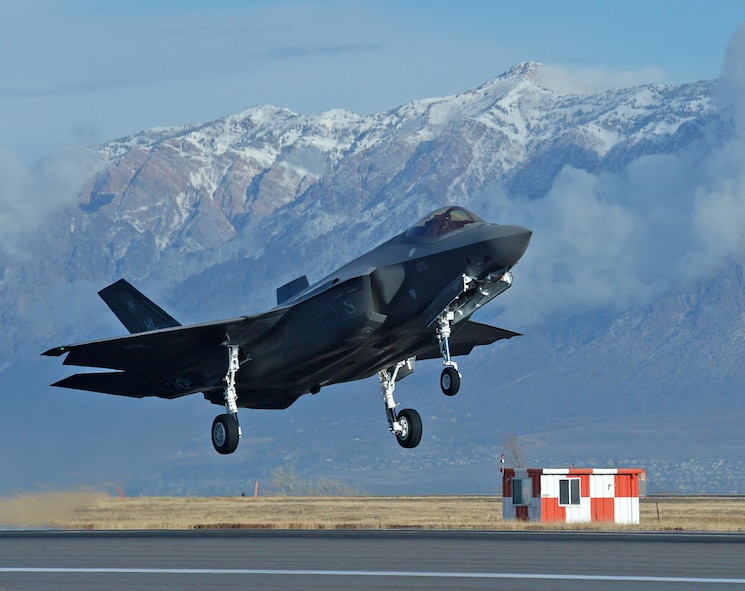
<point>446,297</point>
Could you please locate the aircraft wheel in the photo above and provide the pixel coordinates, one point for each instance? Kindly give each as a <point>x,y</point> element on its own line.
<point>411,423</point>
<point>450,381</point>
<point>225,434</point>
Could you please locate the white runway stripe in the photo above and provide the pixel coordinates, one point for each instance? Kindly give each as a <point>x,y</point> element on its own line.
<point>372,573</point>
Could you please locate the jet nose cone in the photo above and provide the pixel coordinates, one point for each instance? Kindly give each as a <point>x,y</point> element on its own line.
<point>511,244</point>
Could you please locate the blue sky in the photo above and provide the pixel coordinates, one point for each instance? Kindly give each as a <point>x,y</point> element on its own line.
<point>83,72</point>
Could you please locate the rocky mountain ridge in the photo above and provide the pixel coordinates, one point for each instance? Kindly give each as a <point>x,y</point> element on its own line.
<point>196,188</point>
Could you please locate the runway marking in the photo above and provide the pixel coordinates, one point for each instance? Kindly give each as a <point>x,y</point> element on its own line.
<point>370,573</point>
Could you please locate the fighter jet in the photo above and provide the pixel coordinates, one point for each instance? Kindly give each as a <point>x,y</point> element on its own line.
<point>409,299</point>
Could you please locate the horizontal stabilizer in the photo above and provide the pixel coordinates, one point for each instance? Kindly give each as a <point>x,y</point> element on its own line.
<point>291,289</point>
<point>122,383</point>
<point>119,382</point>
<point>135,311</point>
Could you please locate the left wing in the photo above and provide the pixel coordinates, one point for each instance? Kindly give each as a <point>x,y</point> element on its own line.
<point>161,362</point>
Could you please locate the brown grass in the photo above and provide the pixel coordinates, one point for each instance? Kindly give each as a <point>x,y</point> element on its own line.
<point>100,511</point>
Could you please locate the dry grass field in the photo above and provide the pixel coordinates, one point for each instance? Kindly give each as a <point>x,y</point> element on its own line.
<point>84,510</point>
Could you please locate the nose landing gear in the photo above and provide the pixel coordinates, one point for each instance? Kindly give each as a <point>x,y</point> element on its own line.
<point>226,433</point>
<point>450,376</point>
<point>450,381</point>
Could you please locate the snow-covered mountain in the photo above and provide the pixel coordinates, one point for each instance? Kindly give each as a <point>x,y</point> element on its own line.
<point>210,218</point>
<point>195,188</point>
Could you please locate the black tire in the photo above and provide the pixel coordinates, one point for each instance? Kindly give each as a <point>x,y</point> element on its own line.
<point>450,381</point>
<point>225,434</point>
<point>411,422</point>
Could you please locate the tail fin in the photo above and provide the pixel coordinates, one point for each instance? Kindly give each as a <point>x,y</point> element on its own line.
<point>134,310</point>
<point>291,289</point>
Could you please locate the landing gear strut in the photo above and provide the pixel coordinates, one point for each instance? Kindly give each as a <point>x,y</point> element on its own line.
<point>407,424</point>
<point>226,432</point>
<point>450,376</point>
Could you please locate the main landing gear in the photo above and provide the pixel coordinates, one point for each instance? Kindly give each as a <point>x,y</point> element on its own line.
<point>226,432</point>
<point>406,425</point>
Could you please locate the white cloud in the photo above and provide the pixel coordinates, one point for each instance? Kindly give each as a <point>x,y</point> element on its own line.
<point>581,255</point>
<point>614,240</point>
<point>582,80</point>
<point>28,194</point>
<point>719,221</point>
<point>719,216</point>
<point>731,88</point>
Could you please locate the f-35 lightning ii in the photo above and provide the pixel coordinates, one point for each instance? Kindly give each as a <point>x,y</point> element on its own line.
<point>410,298</point>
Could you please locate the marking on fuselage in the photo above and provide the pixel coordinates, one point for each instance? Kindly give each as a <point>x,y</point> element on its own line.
<point>412,293</point>
<point>328,317</point>
<point>349,308</point>
<point>411,252</point>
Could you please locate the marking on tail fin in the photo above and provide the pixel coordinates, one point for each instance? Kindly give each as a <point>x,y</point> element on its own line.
<point>135,311</point>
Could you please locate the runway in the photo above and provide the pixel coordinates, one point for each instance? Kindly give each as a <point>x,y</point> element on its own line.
<point>235,559</point>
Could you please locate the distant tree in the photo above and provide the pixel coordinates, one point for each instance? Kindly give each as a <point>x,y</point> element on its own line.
<point>284,481</point>
<point>514,455</point>
<point>333,488</point>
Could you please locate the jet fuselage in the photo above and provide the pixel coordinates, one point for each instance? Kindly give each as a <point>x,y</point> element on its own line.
<point>369,314</point>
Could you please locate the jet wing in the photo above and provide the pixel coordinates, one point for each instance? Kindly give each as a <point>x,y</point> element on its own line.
<point>153,360</point>
<point>469,335</point>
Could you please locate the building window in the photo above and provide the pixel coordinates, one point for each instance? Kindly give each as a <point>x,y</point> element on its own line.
<point>569,491</point>
<point>521,491</point>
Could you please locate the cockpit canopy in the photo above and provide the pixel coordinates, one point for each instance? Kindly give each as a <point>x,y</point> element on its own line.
<point>442,222</point>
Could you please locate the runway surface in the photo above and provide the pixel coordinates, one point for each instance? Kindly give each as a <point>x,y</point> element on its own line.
<point>243,559</point>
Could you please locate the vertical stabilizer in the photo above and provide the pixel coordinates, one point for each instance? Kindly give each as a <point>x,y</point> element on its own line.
<point>136,312</point>
<point>291,289</point>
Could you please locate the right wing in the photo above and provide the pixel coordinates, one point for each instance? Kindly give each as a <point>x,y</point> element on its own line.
<point>466,336</point>
<point>168,363</point>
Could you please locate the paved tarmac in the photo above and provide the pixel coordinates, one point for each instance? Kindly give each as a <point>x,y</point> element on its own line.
<point>329,560</point>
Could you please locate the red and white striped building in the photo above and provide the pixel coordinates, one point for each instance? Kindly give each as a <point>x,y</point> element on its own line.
<point>573,495</point>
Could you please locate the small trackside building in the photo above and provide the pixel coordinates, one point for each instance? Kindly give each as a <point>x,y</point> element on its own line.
<point>573,495</point>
